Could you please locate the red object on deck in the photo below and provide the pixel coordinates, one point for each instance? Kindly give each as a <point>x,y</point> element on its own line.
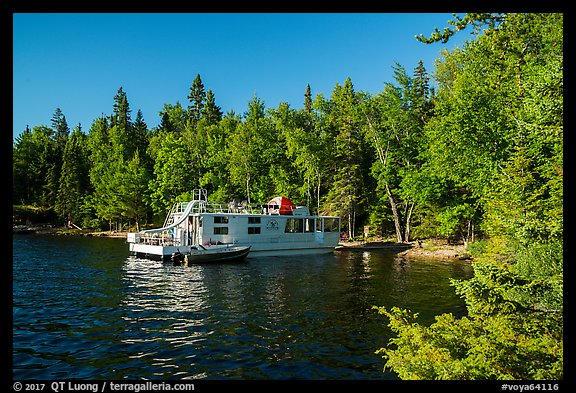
<point>281,205</point>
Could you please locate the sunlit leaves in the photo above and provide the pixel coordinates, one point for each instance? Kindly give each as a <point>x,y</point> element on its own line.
<point>497,347</point>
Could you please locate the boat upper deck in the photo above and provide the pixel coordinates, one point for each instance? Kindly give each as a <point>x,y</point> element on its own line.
<point>232,208</point>
<point>200,204</point>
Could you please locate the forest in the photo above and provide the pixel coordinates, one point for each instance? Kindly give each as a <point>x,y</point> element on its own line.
<point>476,157</point>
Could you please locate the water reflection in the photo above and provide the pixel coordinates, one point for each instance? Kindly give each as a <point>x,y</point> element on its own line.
<point>152,285</point>
<point>88,311</point>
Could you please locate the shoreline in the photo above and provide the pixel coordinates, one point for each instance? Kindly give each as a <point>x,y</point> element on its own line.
<point>425,249</point>
<point>47,229</point>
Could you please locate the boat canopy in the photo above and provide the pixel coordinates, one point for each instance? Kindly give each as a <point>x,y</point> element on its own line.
<point>281,205</point>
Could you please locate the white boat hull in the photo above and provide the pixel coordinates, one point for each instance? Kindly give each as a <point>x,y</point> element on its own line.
<point>257,250</point>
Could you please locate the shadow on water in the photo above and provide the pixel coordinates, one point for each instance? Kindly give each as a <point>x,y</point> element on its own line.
<point>83,309</point>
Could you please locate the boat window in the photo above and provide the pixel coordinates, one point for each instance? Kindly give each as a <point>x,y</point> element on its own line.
<point>253,230</point>
<point>331,225</point>
<point>221,230</point>
<point>253,220</point>
<point>220,219</point>
<point>294,225</point>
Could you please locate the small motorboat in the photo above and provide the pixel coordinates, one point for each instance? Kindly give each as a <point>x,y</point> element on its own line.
<point>216,253</point>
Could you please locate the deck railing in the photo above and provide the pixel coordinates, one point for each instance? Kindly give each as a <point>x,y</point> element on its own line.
<point>211,207</point>
<point>165,238</point>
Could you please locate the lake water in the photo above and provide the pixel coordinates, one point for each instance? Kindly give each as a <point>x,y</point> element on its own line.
<point>84,309</point>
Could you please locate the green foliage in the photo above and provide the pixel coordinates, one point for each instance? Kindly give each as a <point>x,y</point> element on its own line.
<point>306,151</point>
<point>132,189</point>
<point>73,184</point>
<point>212,113</point>
<point>477,248</point>
<point>197,99</point>
<point>344,196</point>
<point>514,327</point>
<point>22,214</point>
<point>541,266</point>
<point>394,122</point>
<point>496,139</point>
<point>172,175</point>
<point>476,20</point>
<point>505,347</point>
<point>174,118</point>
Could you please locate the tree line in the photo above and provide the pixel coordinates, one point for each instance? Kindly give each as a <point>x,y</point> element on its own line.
<point>477,158</point>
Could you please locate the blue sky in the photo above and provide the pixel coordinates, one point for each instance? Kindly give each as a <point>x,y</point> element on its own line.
<point>77,62</point>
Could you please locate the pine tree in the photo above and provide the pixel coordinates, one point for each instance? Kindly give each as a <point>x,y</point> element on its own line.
<point>121,115</point>
<point>133,189</point>
<point>345,196</point>
<point>61,129</point>
<point>100,169</point>
<point>121,128</point>
<point>23,179</point>
<point>141,135</point>
<point>420,103</point>
<point>165,123</point>
<point>308,109</point>
<point>308,99</point>
<point>212,113</point>
<point>72,184</point>
<point>197,99</point>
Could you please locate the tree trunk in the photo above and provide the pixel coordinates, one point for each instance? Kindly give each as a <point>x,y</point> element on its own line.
<point>354,223</point>
<point>407,223</point>
<point>248,188</point>
<point>395,214</point>
<point>308,194</point>
<point>318,195</point>
<point>350,227</point>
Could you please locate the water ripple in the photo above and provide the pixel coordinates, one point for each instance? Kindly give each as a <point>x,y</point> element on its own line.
<point>82,309</point>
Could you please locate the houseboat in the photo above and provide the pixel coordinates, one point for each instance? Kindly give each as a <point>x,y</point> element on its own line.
<point>276,228</point>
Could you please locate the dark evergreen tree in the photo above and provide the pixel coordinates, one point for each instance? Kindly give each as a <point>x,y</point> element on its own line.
<point>345,195</point>
<point>73,184</point>
<point>61,129</point>
<point>141,135</point>
<point>36,167</point>
<point>197,99</point>
<point>122,132</point>
<point>174,118</point>
<point>101,174</point>
<point>420,103</point>
<point>308,109</point>
<point>165,123</point>
<point>132,190</point>
<point>308,99</point>
<point>212,113</point>
<point>24,179</point>
<point>121,115</point>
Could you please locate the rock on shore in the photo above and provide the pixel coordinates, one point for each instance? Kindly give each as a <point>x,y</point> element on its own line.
<point>411,249</point>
